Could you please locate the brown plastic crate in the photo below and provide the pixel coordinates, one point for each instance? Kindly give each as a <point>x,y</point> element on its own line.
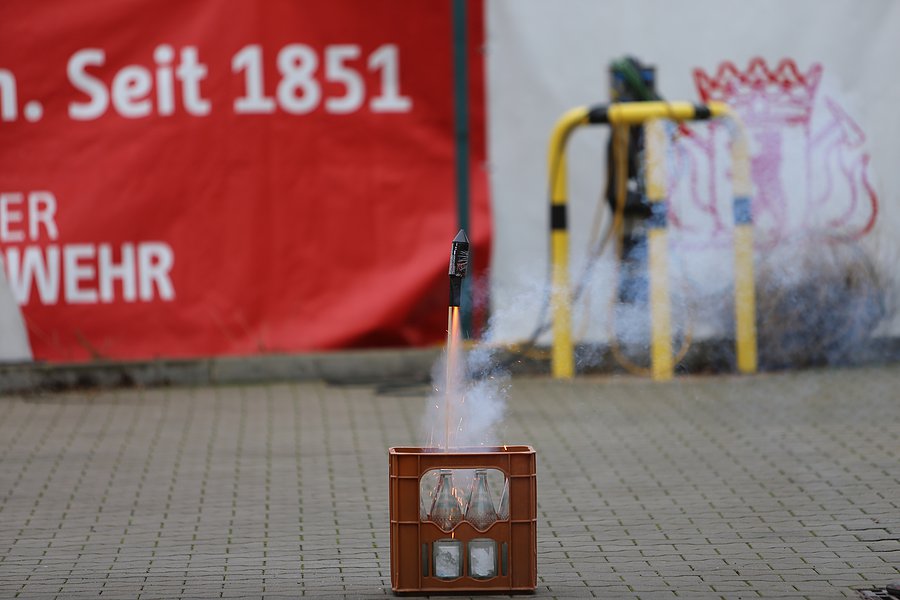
<point>412,538</point>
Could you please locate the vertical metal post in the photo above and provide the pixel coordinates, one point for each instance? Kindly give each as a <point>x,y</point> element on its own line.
<point>461,115</point>
<point>563,364</point>
<point>562,361</point>
<point>662,365</point>
<point>744,284</point>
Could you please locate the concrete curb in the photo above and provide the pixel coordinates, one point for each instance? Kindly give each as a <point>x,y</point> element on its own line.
<point>360,366</point>
<point>381,366</point>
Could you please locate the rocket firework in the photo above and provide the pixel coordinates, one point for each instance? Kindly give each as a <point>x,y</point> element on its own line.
<point>459,265</point>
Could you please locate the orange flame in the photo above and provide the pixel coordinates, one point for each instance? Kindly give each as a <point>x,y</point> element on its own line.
<point>451,385</point>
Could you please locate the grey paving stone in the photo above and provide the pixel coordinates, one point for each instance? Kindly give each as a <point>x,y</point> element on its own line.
<point>770,486</point>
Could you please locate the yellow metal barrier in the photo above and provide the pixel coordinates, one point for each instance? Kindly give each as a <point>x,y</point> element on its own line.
<point>662,366</point>
<point>561,301</point>
<point>649,113</point>
<point>744,286</point>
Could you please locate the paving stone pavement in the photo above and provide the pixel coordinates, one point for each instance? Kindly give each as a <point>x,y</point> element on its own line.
<point>777,486</point>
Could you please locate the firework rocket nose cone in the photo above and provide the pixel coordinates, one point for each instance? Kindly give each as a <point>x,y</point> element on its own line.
<point>459,266</point>
<point>459,255</point>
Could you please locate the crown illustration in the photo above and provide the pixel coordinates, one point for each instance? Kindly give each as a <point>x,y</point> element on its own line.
<point>760,94</point>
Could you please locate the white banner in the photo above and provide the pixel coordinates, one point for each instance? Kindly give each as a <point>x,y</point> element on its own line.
<point>814,82</point>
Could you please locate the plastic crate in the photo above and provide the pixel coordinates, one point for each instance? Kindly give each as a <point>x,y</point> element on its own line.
<point>412,538</point>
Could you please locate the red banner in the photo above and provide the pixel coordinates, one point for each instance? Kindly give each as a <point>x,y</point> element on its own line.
<point>198,178</point>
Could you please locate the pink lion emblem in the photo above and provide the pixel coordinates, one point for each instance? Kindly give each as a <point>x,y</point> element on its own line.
<point>809,166</point>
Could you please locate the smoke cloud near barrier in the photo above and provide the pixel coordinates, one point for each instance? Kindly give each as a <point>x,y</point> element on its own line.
<point>819,301</point>
<point>611,333</point>
<point>820,305</point>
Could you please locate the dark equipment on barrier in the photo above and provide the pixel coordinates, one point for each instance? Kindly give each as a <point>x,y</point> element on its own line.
<point>631,81</point>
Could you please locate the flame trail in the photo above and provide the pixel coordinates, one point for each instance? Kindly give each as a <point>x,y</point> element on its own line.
<point>452,385</point>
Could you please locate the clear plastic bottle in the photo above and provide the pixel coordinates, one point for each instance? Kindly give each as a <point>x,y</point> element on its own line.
<point>445,511</point>
<point>480,510</point>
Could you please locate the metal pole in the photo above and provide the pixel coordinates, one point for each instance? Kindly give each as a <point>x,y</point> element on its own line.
<point>744,284</point>
<point>562,359</point>
<point>461,115</point>
<point>633,113</point>
<point>662,366</point>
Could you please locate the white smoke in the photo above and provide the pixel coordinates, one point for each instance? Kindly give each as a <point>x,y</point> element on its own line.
<point>473,405</point>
